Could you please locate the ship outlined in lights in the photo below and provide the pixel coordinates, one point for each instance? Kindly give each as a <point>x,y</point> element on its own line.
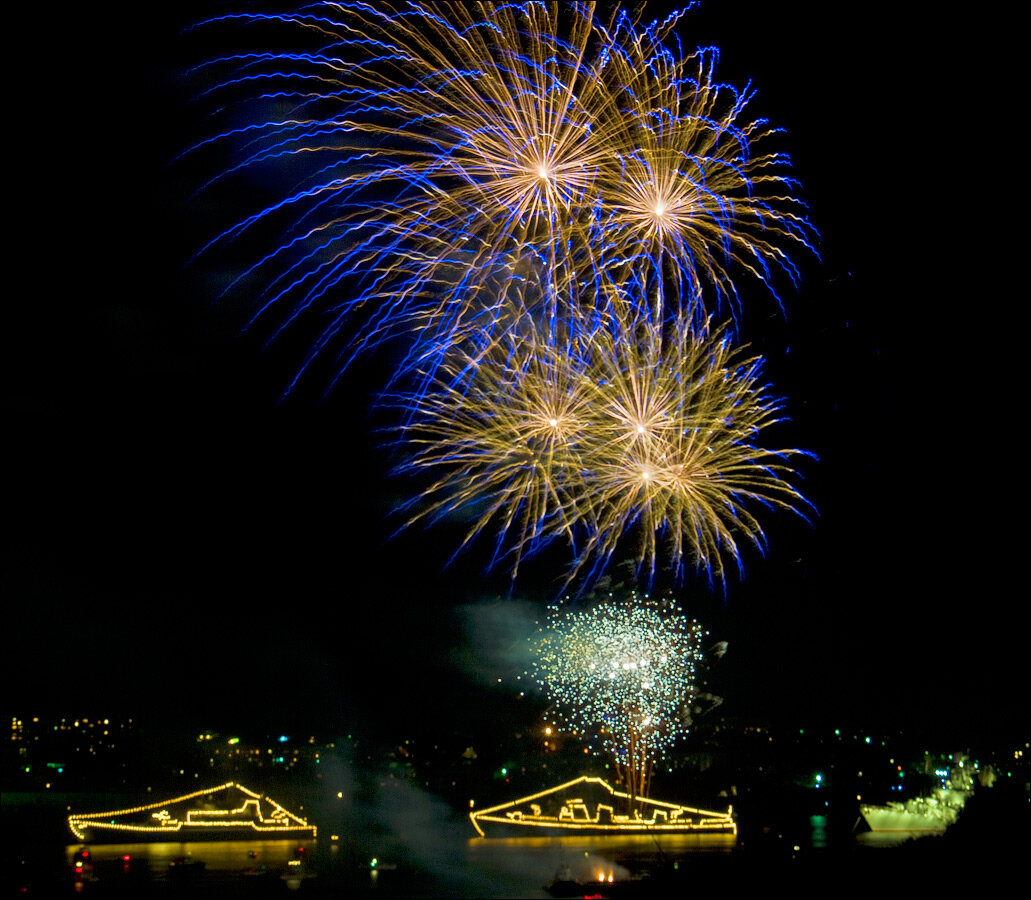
<point>934,813</point>
<point>229,811</point>
<point>590,806</point>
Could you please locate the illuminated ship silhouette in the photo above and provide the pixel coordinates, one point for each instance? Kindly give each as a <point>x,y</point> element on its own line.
<point>227,812</point>
<point>933,813</point>
<point>591,806</point>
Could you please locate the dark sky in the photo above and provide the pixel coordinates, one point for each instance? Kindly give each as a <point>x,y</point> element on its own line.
<point>177,538</point>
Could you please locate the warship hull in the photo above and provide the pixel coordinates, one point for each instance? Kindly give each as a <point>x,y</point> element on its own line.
<point>91,834</point>
<point>589,806</point>
<point>228,812</point>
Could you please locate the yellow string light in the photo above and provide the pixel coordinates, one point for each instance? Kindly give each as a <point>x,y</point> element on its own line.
<point>573,814</point>
<point>249,815</point>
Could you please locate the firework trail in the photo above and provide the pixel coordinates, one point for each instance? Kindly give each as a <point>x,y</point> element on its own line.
<point>547,208</point>
<point>694,197</point>
<point>499,430</point>
<point>452,148</point>
<point>625,669</point>
<point>449,149</point>
<point>674,453</point>
<point>599,435</point>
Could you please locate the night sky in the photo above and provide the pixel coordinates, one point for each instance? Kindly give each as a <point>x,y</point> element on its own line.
<point>165,510</point>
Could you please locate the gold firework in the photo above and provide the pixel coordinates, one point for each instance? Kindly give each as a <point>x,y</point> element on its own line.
<point>452,147</point>
<point>674,451</point>
<point>503,427</point>
<point>602,435</point>
<point>693,197</point>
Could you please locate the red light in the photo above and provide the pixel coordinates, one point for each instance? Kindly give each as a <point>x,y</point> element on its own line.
<point>126,858</point>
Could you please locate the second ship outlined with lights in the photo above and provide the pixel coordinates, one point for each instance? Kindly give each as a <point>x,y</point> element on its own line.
<point>588,805</point>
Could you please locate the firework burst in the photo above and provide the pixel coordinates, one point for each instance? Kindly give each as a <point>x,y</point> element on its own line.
<point>674,453</point>
<point>601,435</point>
<point>501,429</point>
<point>695,197</point>
<point>625,669</point>
<point>450,148</point>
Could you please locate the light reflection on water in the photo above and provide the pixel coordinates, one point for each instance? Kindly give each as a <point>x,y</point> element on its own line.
<point>890,838</point>
<point>626,844</point>
<point>229,856</point>
<point>491,866</point>
<point>586,858</point>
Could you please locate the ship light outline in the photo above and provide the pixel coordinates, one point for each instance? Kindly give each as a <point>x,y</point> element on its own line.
<point>673,815</point>
<point>281,820</point>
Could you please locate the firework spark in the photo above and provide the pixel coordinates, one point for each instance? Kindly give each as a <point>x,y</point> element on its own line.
<point>451,148</point>
<point>625,669</point>
<point>696,197</point>
<point>674,452</point>
<point>599,436</point>
<point>456,147</point>
<point>501,428</point>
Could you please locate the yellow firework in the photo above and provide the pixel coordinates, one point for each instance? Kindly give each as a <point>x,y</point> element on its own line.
<point>694,196</point>
<point>502,427</point>
<point>674,453</point>
<point>443,149</point>
<point>455,144</point>
<point>606,440</point>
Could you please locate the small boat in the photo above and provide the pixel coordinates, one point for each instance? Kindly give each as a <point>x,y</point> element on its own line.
<point>185,869</point>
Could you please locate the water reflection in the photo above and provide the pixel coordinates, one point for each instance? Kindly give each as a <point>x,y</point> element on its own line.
<point>626,844</point>
<point>537,861</point>
<point>888,838</point>
<point>228,856</point>
<point>818,838</point>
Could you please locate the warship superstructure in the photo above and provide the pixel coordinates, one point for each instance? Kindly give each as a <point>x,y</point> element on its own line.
<point>229,811</point>
<point>587,806</point>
